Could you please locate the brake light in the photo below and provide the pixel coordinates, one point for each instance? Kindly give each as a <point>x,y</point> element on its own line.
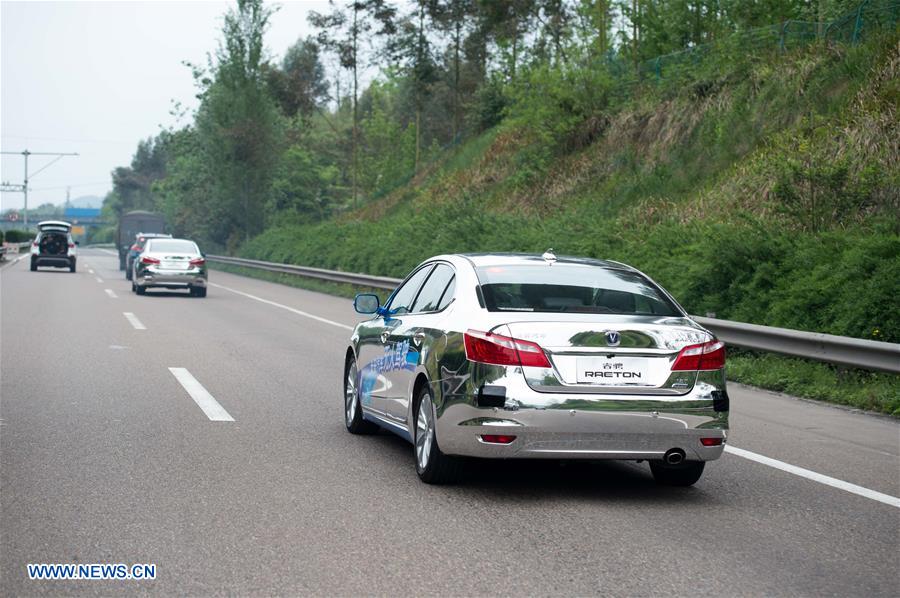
<point>705,356</point>
<point>71,245</point>
<point>197,261</point>
<point>485,347</point>
<point>711,441</point>
<point>497,438</point>
<point>135,247</point>
<point>149,260</point>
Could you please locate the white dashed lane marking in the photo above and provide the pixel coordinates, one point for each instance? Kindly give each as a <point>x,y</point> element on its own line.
<point>201,396</point>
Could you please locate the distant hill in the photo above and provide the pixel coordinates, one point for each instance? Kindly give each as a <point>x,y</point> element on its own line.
<point>87,201</point>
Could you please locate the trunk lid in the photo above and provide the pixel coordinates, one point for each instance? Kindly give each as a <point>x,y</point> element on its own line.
<point>610,354</point>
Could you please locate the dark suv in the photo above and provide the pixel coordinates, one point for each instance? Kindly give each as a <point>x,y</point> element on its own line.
<point>140,240</point>
<point>53,246</point>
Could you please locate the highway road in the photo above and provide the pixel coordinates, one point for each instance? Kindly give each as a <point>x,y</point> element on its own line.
<point>257,489</point>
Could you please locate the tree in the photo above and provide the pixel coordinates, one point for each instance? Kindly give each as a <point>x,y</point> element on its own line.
<point>299,86</point>
<point>451,17</point>
<point>238,125</point>
<point>342,32</point>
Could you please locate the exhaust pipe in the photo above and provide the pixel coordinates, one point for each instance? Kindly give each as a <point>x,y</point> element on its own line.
<point>674,456</point>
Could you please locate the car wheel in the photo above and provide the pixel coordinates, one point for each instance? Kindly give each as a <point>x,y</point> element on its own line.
<point>139,290</point>
<point>353,418</point>
<point>127,273</point>
<point>685,474</point>
<point>433,466</point>
<point>198,292</point>
<point>33,266</point>
<point>72,267</point>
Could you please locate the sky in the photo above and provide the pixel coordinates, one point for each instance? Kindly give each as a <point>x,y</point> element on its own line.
<point>96,77</point>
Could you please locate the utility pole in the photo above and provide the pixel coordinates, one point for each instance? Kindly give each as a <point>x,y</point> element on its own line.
<point>25,154</point>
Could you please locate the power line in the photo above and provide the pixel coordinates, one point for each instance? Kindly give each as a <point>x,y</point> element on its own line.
<point>25,153</point>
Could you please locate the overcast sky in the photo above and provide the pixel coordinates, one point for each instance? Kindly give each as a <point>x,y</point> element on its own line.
<point>96,77</point>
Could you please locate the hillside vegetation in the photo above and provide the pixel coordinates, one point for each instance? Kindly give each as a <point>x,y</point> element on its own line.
<point>744,154</point>
<point>763,189</point>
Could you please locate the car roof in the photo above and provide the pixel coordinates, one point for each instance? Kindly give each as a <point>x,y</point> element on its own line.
<point>153,235</point>
<point>480,260</point>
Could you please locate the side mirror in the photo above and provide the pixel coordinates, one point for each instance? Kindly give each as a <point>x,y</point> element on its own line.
<point>366,303</point>
<point>78,242</point>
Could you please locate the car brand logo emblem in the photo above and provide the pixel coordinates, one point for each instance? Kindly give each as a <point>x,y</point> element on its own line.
<point>612,338</point>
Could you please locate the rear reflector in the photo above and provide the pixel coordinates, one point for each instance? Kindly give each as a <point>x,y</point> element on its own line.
<point>711,441</point>
<point>497,438</point>
<point>706,356</point>
<point>486,347</point>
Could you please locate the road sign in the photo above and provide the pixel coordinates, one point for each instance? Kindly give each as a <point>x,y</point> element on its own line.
<point>12,216</point>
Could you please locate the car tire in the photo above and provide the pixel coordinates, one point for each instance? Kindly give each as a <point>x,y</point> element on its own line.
<point>139,290</point>
<point>198,292</point>
<point>685,474</point>
<point>353,417</point>
<point>33,265</point>
<point>133,287</point>
<point>127,273</point>
<point>121,262</point>
<point>72,266</point>
<point>432,465</point>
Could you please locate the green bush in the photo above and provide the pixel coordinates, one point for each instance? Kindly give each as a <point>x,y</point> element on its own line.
<point>18,236</point>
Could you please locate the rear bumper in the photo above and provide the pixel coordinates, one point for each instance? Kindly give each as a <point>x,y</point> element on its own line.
<point>58,261</point>
<point>171,279</point>
<point>592,426</point>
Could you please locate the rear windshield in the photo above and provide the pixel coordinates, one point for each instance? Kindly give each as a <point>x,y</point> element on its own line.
<point>573,288</point>
<point>171,246</point>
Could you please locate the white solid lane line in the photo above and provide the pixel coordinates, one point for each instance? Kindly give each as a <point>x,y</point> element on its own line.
<point>201,396</point>
<point>111,293</point>
<point>134,321</point>
<point>290,309</point>
<point>816,477</point>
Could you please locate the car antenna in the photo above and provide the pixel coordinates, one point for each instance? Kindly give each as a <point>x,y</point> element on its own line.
<point>549,257</point>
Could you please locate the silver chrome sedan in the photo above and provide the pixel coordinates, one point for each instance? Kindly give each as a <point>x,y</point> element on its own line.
<point>170,264</point>
<point>528,356</point>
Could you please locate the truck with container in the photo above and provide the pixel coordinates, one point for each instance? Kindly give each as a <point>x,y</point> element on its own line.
<point>132,223</point>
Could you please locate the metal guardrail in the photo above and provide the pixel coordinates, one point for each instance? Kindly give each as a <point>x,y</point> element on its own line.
<point>837,350</point>
<point>4,250</point>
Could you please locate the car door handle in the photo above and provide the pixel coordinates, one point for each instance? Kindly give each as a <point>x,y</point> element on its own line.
<point>418,338</point>
<point>385,335</point>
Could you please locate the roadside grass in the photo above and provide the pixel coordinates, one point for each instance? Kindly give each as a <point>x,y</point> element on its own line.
<point>872,391</point>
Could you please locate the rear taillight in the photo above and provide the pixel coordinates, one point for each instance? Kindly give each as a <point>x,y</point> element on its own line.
<point>497,438</point>
<point>34,243</point>
<point>71,245</point>
<point>485,347</point>
<point>706,356</point>
<point>149,260</point>
<point>197,261</point>
<point>135,247</point>
<point>711,441</point>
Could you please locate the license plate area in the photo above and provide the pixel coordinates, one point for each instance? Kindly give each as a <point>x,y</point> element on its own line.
<point>174,265</point>
<point>614,371</point>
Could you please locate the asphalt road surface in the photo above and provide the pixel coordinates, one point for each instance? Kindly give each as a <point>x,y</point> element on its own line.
<point>256,488</point>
